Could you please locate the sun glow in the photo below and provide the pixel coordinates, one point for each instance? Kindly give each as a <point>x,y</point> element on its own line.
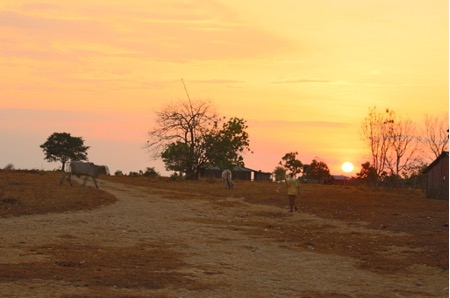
<point>347,167</point>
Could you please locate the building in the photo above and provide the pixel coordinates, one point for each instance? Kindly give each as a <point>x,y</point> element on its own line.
<point>239,173</point>
<point>437,177</point>
<point>338,180</point>
<point>262,176</point>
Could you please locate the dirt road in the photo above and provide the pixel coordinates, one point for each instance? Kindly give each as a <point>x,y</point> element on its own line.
<point>149,246</point>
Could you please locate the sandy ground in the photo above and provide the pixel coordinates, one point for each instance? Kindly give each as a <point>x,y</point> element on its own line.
<point>220,259</point>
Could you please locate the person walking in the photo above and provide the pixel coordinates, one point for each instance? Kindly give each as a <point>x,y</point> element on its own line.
<point>293,187</point>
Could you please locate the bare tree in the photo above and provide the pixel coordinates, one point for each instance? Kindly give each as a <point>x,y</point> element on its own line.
<point>392,140</point>
<point>183,124</point>
<point>375,130</point>
<point>402,155</point>
<point>435,135</point>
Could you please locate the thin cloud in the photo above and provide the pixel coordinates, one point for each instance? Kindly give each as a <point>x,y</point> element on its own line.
<point>186,35</point>
<point>295,81</point>
<point>310,124</point>
<point>339,82</point>
<point>218,81</point>
<point>313,81</point>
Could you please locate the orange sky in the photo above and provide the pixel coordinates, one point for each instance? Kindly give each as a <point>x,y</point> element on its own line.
<point>302,73</point>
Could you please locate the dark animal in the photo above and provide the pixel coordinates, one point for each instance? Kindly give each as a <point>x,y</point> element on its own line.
<point>87,169</point>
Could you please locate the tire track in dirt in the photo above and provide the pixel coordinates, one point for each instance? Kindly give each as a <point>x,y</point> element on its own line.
<point>232,263</point>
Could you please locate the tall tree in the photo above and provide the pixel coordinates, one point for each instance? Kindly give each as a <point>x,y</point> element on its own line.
<point>404,144</point>
<point>393,142</point>
<point>63,147</point>
<point>375,131</point>
<point>179,132</point>
<point>436,135</point>
<point>189,135</point>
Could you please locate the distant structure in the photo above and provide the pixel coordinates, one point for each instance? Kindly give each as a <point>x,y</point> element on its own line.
<point>437,177</point>
<point>239,173</point>
<point>338,180</point>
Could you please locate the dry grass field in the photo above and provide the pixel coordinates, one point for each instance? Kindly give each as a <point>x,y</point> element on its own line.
<point>36,192</point>
<point>406,231</point>
<point>425,220</point>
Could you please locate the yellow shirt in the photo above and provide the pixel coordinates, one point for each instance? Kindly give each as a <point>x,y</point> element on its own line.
<point>293,186</point>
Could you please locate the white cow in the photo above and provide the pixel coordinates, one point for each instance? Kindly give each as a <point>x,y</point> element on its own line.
<point>87,169</point>
<point>226,178</point>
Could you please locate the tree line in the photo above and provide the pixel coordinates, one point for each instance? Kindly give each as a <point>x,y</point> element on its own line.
<point>189,136</point>
<point>399,149</point>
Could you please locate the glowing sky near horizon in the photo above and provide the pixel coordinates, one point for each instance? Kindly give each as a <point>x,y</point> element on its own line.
<point>302,73</point>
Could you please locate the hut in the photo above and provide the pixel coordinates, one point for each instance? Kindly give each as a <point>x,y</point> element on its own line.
<point>239,173</point>
<point>437,177</point>
<point>242,173</point>
<point>262,176</point>
<point>338,180</point>
<point>211,172</point>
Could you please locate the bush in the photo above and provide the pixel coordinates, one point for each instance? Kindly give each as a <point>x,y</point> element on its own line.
<point>150,172</point>
<point>9,166</point>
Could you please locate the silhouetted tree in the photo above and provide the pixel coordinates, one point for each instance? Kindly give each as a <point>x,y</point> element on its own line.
<point>403,146</point>
<point>392,141</point>
<point>436,135</point>
<point>63,147</point>
<point>279,173</point>
<point>375,131</point>
<point>176,157</point>
<point>178,135</point>
<point>290,162</point>
<point>223,147</point>
<point>368,174</point>
<point>317,170</point>
<point>189,135</point>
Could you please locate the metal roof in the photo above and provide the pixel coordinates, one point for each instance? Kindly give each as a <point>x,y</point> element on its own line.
<point>443,155</point>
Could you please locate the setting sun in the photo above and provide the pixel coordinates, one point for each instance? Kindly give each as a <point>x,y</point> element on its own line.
<point>302,74</point>
<point>347,167</point>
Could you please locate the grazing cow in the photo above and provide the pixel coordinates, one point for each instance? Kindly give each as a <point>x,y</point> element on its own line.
<point>87,169</point>
<point>226,178</point>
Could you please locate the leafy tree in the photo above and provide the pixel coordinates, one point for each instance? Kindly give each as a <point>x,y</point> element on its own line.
<point>188,136</point>
<point>224,147</point>
<point>176,156</point>
<point>279,173</point>
<point>368,174</point>
<point>317,170</point>
<point>63,147</point>
<point>290,162</point>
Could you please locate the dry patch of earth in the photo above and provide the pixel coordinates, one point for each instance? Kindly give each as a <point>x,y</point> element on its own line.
<point>159,241</point>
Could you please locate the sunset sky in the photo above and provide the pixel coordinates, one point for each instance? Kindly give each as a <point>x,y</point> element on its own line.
<point>302,73</point>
